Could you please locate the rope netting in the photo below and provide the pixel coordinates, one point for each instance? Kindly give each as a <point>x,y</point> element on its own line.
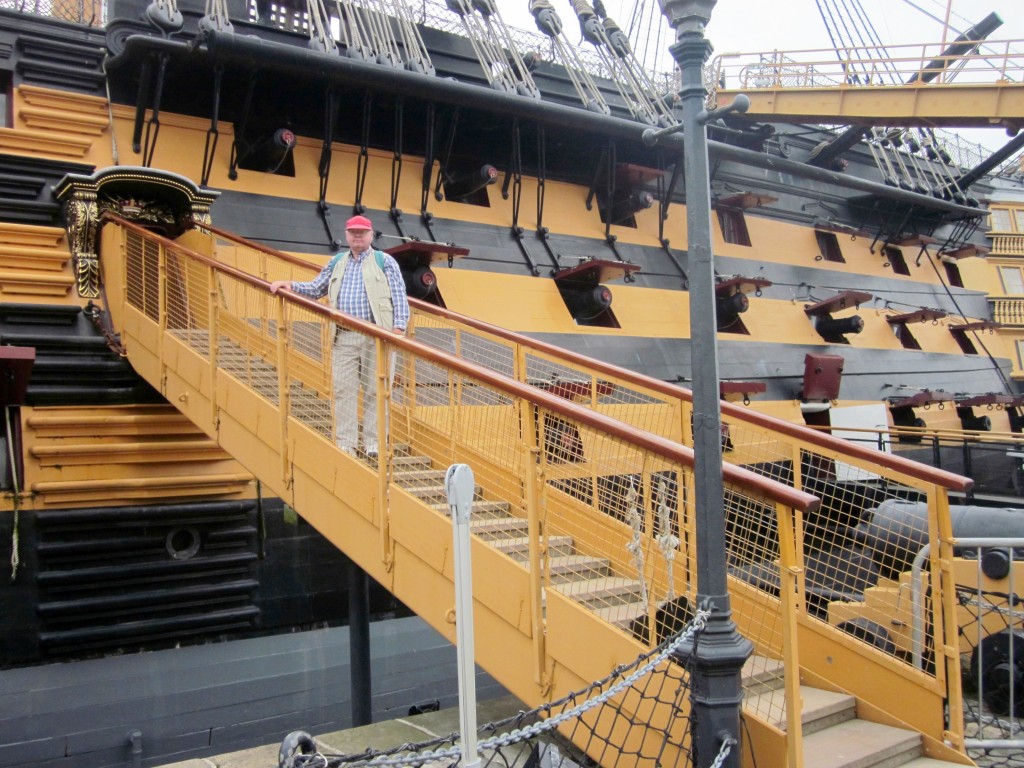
<point>608,722</point>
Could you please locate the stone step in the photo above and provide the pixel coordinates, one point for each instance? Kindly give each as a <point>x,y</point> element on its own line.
<point>821,709</point>
<point>860,744</point>
<point>761,673</point>
<point>408,477</point>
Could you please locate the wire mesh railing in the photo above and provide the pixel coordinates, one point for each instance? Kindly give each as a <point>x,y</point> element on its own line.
<point>921,64</point>
<point>548,735</point>
<point>994,461</point>
<point>812,560</point>
<point>596,511</point>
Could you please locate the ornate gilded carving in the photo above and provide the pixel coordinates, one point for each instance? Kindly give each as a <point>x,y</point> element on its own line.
<point>158,200</point>
<point>81,213</point>
<point>142,211</point>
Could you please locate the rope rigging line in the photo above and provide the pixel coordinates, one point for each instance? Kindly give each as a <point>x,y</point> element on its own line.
<point>492,43</point>
<point>612,47</point>
<point>550,24</point>
<point>320,37</point>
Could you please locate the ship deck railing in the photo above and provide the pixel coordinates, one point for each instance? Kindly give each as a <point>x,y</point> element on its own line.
<point>781,590</point>
<point>893,85</point>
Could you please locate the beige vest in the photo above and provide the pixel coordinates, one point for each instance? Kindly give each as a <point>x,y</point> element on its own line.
<point>378,291</point>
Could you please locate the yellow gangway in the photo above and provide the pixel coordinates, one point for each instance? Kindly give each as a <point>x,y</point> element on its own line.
<point>583,518</point>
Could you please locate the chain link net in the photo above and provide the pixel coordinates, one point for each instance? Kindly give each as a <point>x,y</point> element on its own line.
<point>576,728</point>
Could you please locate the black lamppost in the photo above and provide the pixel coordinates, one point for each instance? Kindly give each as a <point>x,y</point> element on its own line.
<point>720,651</point>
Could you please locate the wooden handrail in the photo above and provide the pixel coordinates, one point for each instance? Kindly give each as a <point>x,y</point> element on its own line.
<point>661,446</point>
<point>904,466</point>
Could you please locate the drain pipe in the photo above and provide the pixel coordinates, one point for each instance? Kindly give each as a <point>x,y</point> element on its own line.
<point>458,483</point>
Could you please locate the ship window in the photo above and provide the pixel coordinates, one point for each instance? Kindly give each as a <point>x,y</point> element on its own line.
<point>999,220</point>
<point>588,304</point>
<point>895,258</point>
<point>905,336</point>
<point>1013,280</point>
<point>953,274</point>
<point>828,243</point>
<point>734,226</point>
<point>964,342</point>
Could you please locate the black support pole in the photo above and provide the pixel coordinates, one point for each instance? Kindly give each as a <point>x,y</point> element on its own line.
<point>359,644</point>
<point>718,655</point>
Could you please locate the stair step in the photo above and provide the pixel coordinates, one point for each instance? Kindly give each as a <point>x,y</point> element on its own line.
<point>519,546</point>
<point>419,476</point>
<point>605,590</point>
<point>622,614</point>
<point>483,511</point>
<point>761,673</point>
<point>571,567</point>
<point>432,492</point>
<point>821,709</point>
<point>492,527</point>
<point>860,744</point>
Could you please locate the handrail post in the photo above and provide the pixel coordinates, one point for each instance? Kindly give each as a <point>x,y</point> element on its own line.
<point>213,345</point>
<point>533,480</point>
<point>384,448</point>
<point>283,393</point>
<point>945,630</point>
<point>790,591</point>
<point>458,483</point>
<point>161,310</point>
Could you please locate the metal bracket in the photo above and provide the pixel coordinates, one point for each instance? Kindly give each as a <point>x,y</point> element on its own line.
<point>210,148</point>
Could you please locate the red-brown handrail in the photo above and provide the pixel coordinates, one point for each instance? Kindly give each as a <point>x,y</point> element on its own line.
<point>667,449</point>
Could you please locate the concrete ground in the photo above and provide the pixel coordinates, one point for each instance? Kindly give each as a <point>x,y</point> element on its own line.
<point>382,735</point>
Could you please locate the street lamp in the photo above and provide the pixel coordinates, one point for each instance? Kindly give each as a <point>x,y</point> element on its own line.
<point>720,651</point>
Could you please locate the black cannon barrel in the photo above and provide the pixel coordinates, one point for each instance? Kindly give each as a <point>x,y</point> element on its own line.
<point>959,47</point>
<point>895,531</point>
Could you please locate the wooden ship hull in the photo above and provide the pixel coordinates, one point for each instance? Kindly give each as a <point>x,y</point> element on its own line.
<point>845,302</point>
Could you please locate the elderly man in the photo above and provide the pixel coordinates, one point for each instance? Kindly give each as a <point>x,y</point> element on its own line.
<point>367,284</point>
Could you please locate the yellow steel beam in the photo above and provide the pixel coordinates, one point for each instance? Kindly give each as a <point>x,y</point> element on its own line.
<point>981,105</point>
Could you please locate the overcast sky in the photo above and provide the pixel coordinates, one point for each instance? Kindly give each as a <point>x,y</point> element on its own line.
<point>752,25</point>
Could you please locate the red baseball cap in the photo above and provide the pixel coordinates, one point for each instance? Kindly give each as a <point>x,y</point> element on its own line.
<point>359,222</point>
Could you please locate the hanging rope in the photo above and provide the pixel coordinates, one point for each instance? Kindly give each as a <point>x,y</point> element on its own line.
<point>635,545</point>
<point>320,37</point>
<point>668,542</point>
<point>216,17</point>
<point>15,557</point>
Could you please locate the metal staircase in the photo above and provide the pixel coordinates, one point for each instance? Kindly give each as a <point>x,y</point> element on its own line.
<point>583,523</point>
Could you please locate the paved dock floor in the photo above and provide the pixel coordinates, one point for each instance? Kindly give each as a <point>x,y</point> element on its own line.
<point>382,735</point>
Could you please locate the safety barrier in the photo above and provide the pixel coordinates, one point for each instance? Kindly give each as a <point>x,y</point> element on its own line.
<point>587,520</point>
<point>815,559</point>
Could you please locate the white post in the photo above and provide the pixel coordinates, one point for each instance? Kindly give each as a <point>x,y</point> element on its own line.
<point>459,485</point>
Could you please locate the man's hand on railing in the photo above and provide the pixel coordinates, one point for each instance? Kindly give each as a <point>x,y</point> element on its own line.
<point>277,285</point>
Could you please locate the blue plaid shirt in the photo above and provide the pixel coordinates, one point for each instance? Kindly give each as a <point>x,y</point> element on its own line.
<point>352,298</point>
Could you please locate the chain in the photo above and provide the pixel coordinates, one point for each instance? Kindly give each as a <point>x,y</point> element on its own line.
<point>723,752</point>
<point>517,735</point>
